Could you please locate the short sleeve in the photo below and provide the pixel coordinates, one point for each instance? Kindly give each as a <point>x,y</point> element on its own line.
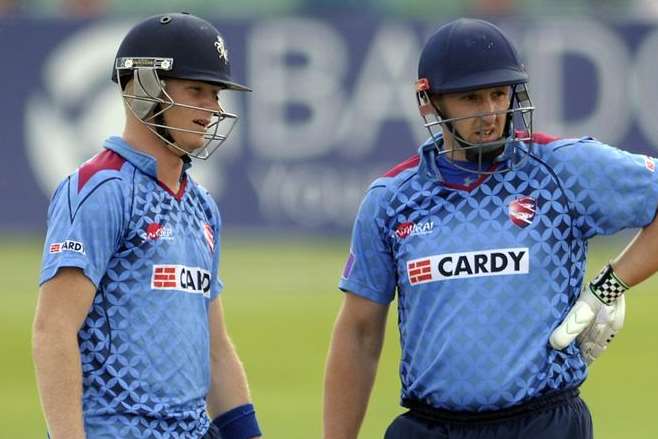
<point>370,271</point>
<point>84,229</point>
<point>610,188</point>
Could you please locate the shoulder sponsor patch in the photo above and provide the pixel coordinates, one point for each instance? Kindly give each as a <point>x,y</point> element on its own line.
<point>193,280</point>
<point>349,265</point>
<point>468,264</point>
<point>649,163</point>
<point>67,246</point>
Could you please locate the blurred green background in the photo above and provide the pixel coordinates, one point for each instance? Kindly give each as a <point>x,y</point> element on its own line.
<point>422,9</point>
<point>281,302</point>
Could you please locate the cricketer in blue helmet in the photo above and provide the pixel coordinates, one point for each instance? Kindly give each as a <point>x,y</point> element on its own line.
<point>129,334</point>
<point>483,236</point>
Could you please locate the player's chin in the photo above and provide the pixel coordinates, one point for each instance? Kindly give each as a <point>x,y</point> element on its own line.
<point>479,139</point>
<point>191,142</point>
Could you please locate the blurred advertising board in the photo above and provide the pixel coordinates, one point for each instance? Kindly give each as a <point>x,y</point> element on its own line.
<point>333,107</point>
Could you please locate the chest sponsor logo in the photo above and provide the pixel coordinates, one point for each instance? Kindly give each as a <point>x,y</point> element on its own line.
<point>155,231</point>
<point>67,246</point>
<point>468,264</point>
<point>522,211</point>
<point>180,277</point>
<point>405,230</point>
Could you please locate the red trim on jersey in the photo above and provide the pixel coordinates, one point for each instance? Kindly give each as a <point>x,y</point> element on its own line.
<point>104,160</point>
<point>538,137</point>
<point>408,163</point>
<point>181,189</point>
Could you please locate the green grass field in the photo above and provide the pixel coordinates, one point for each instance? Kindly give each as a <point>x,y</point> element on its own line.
<point>281,302</point>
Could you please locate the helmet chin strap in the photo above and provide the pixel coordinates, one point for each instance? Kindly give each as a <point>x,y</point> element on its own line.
<point>474,156</point>
<point>159,119</point>
<point>165,133</point>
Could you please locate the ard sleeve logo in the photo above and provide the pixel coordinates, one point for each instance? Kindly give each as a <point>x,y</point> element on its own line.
<point>469,264</point>
<point>193,280</point>
<point>67,246</point>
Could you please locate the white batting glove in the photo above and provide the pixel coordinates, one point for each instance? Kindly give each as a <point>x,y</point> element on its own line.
<point>603,290</point>
<point>594,340</point>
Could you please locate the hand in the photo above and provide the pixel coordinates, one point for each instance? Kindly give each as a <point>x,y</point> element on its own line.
<point>594,340</point>
<point>580,317</point>
<point>603,291</point>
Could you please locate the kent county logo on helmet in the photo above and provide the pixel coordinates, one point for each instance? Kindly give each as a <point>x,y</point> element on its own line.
<point>522,211</point>
<point>221,49</point>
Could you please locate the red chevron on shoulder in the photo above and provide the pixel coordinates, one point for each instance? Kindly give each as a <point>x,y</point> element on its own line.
<point>408,163</point>
<point>538,137</point>
<point>101,161</point>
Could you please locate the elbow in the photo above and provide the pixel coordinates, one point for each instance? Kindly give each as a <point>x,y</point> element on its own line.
<point>366,338</point>
<point>40,338</point>
<point>49,335</point>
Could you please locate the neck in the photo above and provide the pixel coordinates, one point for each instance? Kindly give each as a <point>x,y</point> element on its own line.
<point>456,151</point>
<point>169,164</point>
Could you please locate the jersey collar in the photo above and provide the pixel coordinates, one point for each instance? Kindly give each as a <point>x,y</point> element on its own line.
<point>434,166</point>
<point>142,161</point>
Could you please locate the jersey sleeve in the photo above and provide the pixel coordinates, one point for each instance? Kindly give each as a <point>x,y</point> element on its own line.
<point>84,228</point>
<point>370,271</point>
<point>217,285</point>
<point>610,188</point>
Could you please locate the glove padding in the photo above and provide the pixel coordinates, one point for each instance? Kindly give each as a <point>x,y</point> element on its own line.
<point>603,291</point>
<point>579,317</point>
<point>594,340</point>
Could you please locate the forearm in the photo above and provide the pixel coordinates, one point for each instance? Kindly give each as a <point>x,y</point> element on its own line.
<point>350,374</point>
<point>59,380</point>
<point>639,260</point>
<point>228,384</point>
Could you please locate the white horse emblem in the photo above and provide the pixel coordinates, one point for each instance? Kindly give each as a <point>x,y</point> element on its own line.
<point>223,51</point>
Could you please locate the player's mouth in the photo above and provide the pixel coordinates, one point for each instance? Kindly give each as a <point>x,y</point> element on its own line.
<point>203,123</point>
<point>488,135</point>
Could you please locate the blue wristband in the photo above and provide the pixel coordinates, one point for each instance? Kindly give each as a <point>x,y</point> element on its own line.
<point>238,423</point>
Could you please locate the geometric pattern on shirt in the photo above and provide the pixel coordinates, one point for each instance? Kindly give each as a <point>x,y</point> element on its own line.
<point>137,353</point>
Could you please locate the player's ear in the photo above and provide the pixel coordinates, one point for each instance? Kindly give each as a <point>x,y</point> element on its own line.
<point>439,103</point>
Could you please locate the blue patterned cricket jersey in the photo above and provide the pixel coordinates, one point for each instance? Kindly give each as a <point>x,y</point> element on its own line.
<point>153,257</point>
<point>486,269</point>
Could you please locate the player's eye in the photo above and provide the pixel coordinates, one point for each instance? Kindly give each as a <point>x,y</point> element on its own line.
<point>501,93</point>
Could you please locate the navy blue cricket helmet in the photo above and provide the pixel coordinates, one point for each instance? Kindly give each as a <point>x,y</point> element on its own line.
<point>180,46</point>
<point>468,54</point>
<point>465,55</point>
<point>194,45</point>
